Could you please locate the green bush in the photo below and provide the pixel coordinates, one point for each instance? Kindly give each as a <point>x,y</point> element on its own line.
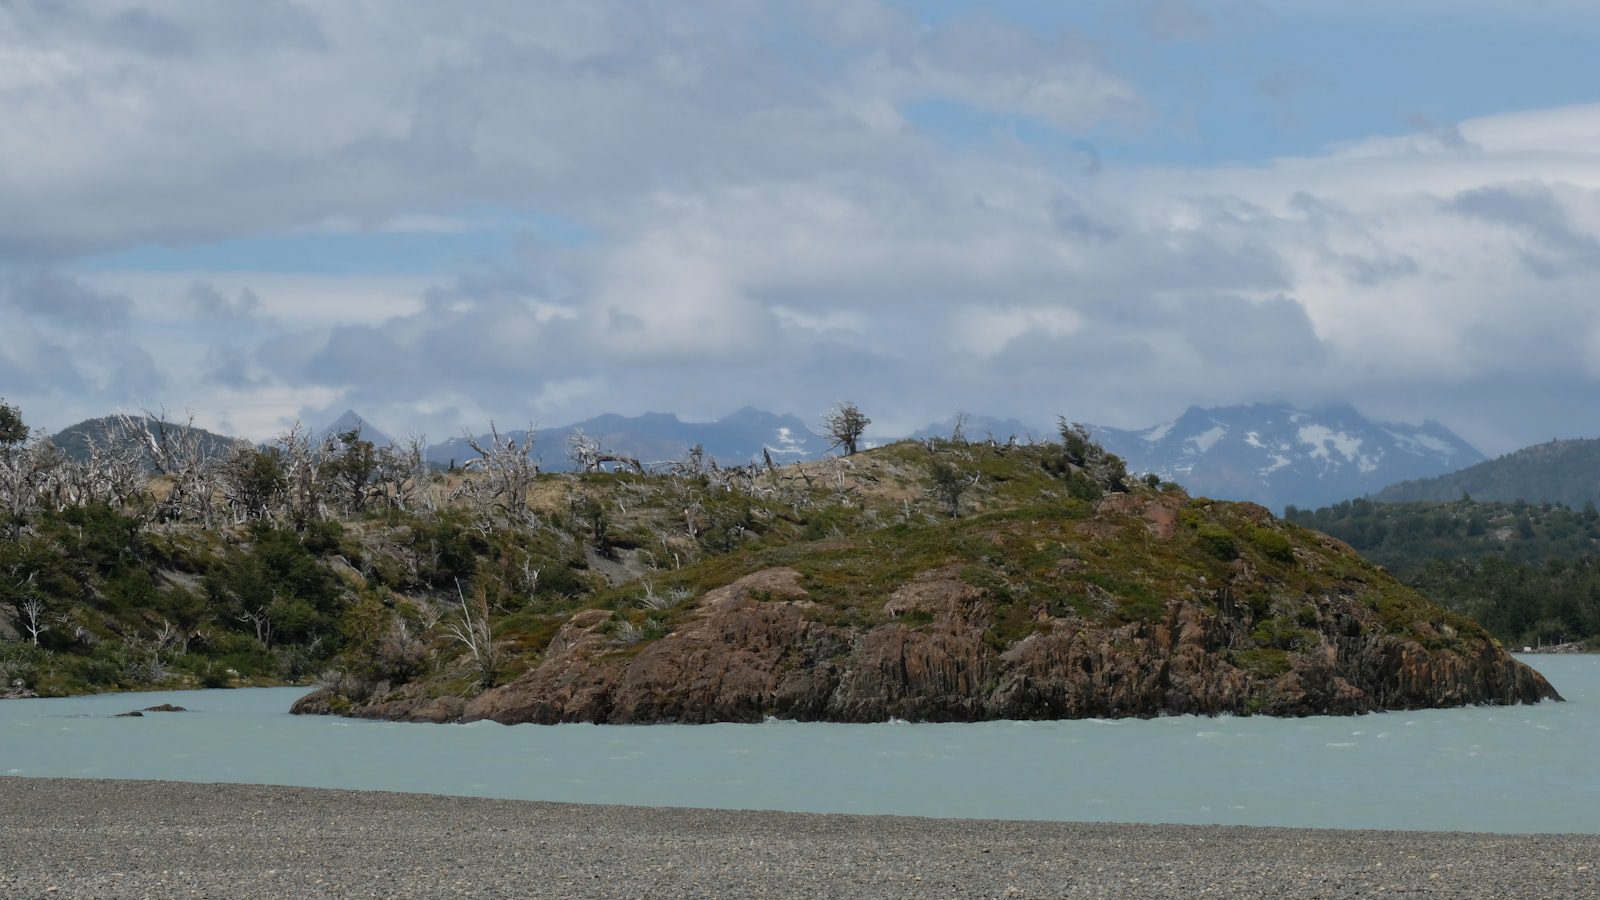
<point>1273,543</point>
<point>1082,487</point>
<point>21,662</point>
<point>1218,541</point>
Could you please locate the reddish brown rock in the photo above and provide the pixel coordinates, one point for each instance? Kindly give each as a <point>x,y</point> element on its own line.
<point>756,648</point>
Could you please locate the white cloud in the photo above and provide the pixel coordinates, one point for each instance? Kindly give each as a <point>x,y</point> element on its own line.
<point>762,223</point>
<point>290,115</point>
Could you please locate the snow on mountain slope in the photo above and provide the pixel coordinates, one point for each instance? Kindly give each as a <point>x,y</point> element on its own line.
<point>1277,455</point>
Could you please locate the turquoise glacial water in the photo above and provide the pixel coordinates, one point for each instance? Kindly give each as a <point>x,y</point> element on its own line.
<point>1506,769</point>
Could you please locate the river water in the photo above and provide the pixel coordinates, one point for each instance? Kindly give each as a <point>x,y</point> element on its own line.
<point>1506,769</point>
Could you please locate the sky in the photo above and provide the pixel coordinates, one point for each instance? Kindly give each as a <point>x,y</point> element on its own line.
<point>441,215</point>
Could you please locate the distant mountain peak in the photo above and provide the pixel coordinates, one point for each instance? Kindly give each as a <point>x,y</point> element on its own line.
<point>351,420</point>
<point>1279,454</point>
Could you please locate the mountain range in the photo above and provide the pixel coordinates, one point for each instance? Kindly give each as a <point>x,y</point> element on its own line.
<point>1280,455</point>
<point>1271,453</point>
<point>734,439</point>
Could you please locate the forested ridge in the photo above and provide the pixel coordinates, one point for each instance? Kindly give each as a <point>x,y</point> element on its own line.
<point>1530,573</point>
<point>1563,471</point>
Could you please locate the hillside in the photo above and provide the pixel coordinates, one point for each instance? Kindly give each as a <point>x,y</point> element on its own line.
<point>1280,455</point>
<point>1565,472</point>
<point>113,432</point>
<point>1530,574</point>
<point>926,580</point>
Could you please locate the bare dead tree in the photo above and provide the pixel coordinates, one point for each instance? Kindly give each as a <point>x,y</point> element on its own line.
<point>590,456</point>
<point>178,452</point>
<point>302,470</point>
<point>35,476</point>
<point>403,476</point>
<point>171,638</point>
<point>471,631</point>
<point>509,469</point>
<point>529,583</point>
<point>260,618</point>
<point>692,464</point>
<point>15,489</point>
<point>34,618</point>
<point>114,472</point>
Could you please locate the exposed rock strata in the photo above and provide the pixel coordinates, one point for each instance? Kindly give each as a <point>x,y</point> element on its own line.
<point>755,648</point>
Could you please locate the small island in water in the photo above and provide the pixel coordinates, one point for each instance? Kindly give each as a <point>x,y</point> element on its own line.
<point>932,580</point>
<point>1059,590</point>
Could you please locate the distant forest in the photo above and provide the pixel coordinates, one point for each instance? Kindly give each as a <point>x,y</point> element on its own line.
<point>1529,572</point>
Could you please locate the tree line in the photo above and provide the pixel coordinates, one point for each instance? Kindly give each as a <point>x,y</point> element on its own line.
<point>1529,572</point>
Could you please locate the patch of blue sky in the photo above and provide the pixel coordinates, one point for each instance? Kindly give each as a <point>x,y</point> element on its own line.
<point>450,244</point>
<point>1290,79</point>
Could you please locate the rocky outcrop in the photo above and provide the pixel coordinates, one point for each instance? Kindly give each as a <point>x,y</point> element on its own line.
<point>762,646</point>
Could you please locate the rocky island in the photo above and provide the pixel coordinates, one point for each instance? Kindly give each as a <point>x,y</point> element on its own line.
<point>942,581</point>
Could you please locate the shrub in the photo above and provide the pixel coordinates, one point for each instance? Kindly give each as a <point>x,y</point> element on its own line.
<point>1273,543</point>
<point>1218,541</point>
<point>214,674</point>
<point>948,486</point>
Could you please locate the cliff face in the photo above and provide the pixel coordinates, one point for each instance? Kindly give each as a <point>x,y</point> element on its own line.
<point>1136,605</point>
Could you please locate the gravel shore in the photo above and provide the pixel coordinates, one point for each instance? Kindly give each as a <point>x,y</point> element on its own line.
<point>158,839</point>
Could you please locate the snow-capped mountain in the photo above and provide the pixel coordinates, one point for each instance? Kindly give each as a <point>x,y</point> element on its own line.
<point>1278,455</point>
<point>657,437</point>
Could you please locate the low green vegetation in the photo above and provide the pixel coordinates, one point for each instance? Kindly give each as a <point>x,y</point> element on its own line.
<point>1529,573</point>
